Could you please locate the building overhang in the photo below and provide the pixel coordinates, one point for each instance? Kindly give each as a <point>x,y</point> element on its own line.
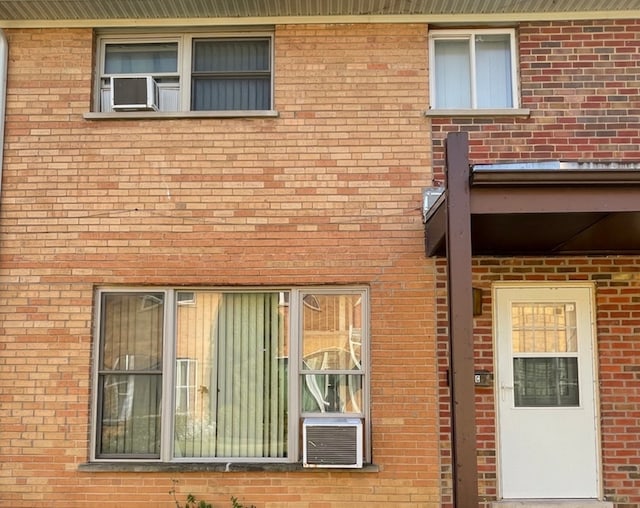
<point>34,13</point>
<point>545,209</point>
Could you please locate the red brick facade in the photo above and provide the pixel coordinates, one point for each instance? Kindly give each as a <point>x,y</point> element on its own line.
<point>580,82</point>
<point>617,282</point>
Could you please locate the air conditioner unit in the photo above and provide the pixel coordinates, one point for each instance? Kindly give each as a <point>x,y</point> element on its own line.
<point>332,442</point>
<point>134,93</point>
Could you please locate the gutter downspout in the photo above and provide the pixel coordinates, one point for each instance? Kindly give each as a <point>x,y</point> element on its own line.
<point>4,59</point>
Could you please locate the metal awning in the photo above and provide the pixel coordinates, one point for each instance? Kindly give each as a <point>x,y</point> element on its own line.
<point>546,209</point>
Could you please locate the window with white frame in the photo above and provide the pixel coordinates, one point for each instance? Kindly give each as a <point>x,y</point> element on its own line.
<point>229,376</point>
<point>473,69</point>
<point>189,72</point>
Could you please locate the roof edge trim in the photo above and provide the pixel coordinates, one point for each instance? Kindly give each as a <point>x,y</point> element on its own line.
<point>439,19</point>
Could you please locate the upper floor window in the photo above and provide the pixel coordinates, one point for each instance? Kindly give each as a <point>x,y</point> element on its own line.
<point>473,69</point>
<point>220,375</point>
<point>188,72</point>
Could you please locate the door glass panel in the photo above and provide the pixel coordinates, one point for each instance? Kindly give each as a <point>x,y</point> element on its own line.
<point>548,382</point>
<point>544,327</point>
<point>545,350</point>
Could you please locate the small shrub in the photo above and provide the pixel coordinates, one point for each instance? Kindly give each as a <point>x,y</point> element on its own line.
<point>236,504</point>
<point>193,502</point>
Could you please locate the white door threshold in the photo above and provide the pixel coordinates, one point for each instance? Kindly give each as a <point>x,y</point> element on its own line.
<point>551,503</point>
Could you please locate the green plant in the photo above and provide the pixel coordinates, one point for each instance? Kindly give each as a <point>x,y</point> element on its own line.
<point>191,502</point>
<point>236,504</point>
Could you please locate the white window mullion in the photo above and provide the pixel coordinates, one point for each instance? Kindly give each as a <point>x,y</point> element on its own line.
<point>168,378</point>
<point>295,359</point>
<point>515,82</point>
<point>272,60</point>
<point>97,343</point>
<point>366,371</point>
<point>472,73</point>
<point>184,54</point>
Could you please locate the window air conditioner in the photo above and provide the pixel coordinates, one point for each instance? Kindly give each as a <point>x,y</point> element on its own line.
<point>134,93</point>
<point>332,442</point>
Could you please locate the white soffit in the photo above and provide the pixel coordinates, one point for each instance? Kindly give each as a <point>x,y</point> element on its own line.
<point>117,12</point>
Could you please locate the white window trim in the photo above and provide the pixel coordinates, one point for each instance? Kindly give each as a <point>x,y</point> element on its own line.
<point>462,34</point>
<point>185,44</point>
<point>169,375</point>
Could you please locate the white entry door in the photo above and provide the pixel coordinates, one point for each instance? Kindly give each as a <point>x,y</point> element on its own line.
<point>546,392</point>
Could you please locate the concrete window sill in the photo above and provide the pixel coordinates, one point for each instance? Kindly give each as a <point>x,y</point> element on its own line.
<point>555,503</point>
<point>478,112</point>
<point>184,467</point>
<point>172,115</point>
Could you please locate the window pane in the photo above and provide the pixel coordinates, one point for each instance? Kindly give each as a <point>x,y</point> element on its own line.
<point>332,393</point>
<point>186,376</point>
<point>130,423</point>
<point>228,94</point>
<point>231,75</point>
<point>239,404</point>
<point>452,74</point>
<point>130,374</point>
<point>153,58</point>
<point>493,69</point>
<point>331,341</point>
<point>132,331</point>
<point>332,329</point>
<point>550,382</point>
<point>237,55</point>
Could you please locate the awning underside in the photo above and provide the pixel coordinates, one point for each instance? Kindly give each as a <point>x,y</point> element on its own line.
<point>550,213</point>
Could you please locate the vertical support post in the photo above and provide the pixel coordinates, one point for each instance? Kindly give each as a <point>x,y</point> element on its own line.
<point>461,361</point>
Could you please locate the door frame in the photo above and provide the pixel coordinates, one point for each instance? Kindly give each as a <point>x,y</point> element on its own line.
<point>524,286</point>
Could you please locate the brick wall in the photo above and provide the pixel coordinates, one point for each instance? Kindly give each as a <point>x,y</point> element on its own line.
<point>617,282</point>
<point>327,193</point>
<point>580,81</point>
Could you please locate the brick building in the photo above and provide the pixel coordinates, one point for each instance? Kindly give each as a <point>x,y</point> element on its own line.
<point>213,274</point>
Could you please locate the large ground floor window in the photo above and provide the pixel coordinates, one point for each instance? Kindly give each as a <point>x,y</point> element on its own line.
<point>214,375</point>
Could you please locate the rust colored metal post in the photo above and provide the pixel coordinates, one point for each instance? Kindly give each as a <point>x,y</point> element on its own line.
<point>465,467</point>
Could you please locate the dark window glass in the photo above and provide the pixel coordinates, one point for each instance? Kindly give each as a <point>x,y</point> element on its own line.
<point>231,74</point>
<point>546,382</point>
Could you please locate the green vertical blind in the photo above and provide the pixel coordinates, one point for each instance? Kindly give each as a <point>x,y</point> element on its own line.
<point>239,399</point>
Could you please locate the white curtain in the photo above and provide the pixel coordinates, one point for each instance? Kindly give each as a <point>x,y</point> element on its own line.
<point>493,70</point>
<point>454,77</point>
<point>453,74</point>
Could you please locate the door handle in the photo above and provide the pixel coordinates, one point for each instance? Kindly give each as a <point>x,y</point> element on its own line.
<point>503,391</point>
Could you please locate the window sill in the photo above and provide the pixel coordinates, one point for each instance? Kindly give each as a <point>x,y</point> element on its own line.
<point>163,115</point>
<point>478,112</point>
<point>228,467</point>
<point>551,503</point>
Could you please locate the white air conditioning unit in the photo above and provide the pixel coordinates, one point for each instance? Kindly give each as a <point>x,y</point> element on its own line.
<point>134,93</point>
<point>332,442</point>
